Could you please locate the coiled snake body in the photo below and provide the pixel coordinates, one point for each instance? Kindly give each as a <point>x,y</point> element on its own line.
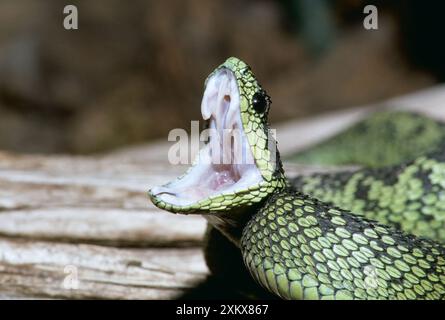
<point>294,238</point>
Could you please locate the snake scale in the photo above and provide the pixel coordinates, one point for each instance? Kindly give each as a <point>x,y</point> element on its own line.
<point>347,235</point>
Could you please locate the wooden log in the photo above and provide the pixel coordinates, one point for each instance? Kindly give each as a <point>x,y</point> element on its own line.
<point>86,200</point>
<point>55,270</point>
<point>56,210</point>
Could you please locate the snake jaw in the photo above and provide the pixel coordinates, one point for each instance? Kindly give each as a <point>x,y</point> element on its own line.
<point>226,165</point>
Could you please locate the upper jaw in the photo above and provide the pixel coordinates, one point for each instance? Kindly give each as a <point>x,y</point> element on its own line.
<point>224,166</point>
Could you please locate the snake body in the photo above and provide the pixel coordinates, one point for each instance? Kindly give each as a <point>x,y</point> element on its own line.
<point>410,196</point>
<point>382,139</point>
<point>300,248</point>
<point>296,245</point>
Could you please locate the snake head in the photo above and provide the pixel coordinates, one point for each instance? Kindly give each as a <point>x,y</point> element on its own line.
<point>239,165</point>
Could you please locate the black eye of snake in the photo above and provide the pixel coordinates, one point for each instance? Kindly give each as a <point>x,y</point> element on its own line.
<point>260,102</point>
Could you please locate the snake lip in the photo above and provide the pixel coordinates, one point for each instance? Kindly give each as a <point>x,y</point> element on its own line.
<point>225,165</point>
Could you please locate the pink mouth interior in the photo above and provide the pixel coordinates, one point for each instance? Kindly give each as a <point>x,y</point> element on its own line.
<point>221,106</point>
<point>223,175</point>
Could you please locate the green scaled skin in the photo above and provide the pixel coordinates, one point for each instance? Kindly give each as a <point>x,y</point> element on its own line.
<point>410,197</point>
<point>383,139</point>
<point>298,247</point>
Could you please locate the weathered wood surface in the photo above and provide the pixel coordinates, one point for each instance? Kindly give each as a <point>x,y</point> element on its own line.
<point>92,214</point>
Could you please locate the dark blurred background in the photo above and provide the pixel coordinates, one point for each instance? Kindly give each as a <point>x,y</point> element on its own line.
<point>135,69</point>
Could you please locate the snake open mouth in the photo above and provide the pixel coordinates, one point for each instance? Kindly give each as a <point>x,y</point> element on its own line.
<point>225,165</point>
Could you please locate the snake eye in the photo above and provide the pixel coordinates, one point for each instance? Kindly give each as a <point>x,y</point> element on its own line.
<point>260,102</point>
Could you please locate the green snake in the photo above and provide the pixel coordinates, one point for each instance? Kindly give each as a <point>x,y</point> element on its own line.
<point>294,243</point>
<point>379,140</point>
